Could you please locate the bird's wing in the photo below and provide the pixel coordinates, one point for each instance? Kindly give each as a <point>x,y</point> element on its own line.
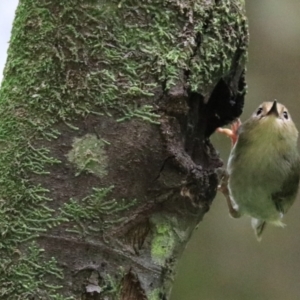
<point>285,197</point>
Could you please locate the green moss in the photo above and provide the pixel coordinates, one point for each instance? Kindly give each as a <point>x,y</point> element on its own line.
<point>65,70</point>
<point>154,295</point>
<point>17,273</point>
<point>91,213</point>
<point>145,113</point>
<point>88,154</point>
<point>221,38</point>
<point>112,285</point>
<point>163,240</point>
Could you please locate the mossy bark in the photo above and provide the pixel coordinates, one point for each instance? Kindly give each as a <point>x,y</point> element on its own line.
<point>106,165</point>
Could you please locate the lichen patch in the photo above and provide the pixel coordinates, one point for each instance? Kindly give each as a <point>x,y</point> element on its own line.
<point>89,155</point>
<point>163,240</point>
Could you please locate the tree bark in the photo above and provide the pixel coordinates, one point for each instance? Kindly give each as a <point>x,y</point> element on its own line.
<point>106,165</point>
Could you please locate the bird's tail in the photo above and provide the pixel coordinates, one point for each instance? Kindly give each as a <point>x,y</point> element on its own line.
<point>258,226</point>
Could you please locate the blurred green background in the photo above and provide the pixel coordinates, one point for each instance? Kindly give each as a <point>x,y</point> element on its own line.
<point>223,260</point>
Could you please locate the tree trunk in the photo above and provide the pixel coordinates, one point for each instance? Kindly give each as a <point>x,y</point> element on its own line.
<point>106,165</point>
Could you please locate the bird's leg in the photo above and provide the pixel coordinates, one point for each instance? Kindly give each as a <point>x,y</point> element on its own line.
<point>233,132</point>
<point>223,188</point>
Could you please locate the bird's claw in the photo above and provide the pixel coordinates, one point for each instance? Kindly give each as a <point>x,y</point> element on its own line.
<point>233,132</point>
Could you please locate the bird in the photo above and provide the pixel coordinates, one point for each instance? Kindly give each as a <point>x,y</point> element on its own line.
<point>263,170</point>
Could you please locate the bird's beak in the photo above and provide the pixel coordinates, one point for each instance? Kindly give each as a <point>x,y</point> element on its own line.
<point>273,110</point>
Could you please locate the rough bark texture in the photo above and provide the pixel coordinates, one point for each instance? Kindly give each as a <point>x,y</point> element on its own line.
<point>106,166</point>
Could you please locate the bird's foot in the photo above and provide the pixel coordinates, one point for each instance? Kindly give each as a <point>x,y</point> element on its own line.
<point>233,132</point>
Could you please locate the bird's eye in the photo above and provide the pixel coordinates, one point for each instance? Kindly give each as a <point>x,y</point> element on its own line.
<point>285,115</point>
<point>259,111</point>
